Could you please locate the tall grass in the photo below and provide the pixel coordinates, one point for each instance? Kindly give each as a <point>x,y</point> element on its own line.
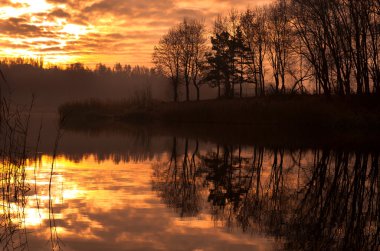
<point>14,128</point>
<point>14,188</point>
<point>95,109</point>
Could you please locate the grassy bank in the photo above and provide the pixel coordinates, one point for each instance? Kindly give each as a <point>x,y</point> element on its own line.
<point>281,112</point>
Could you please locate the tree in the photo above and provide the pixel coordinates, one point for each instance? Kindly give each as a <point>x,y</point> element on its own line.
<point>374,45</point>
<point>241,75</point>
<point>167,58</point>
<point>278,41</point>
<point>193,49</point>
<point>118,68</point>
<point>228,59</point>
<point>341,41</point>
<point>307,25</point>
<point>198,61</point>
<point>102,69</point>
<point>253,24</point>
<point>221,62</point>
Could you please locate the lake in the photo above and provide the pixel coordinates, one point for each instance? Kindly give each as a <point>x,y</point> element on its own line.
<point>140,188</point>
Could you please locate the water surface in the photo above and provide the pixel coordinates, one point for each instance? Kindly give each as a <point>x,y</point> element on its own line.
<point>115,190</point>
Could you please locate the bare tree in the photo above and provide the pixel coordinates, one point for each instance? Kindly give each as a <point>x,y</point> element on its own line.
<point>374,44</point>
<point>167,58</point>
<point>341,41</point>
<point>359,14</point>
<point>199,50</point>
<point>253,24</point>
<point>307,16</point>
<point>278,41</point>
<point>192,33</point>
<point>184,32</point>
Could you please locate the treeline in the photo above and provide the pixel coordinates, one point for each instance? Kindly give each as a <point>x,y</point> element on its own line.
<point>328,47</point>
<point>100,69</point>
<point>53,85</point>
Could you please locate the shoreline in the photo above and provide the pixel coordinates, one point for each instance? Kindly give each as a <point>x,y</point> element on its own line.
<point>304,121</point>
<point>360,112</point>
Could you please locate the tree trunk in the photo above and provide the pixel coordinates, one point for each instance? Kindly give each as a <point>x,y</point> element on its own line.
<point>187,91</point>
<point>175,92</point>
<point>218,90</point>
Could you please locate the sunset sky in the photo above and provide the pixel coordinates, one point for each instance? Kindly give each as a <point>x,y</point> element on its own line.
<point>93,31</point>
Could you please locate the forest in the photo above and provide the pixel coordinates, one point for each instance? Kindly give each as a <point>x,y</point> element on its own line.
<point>323,47</point>
<point>53,85</point>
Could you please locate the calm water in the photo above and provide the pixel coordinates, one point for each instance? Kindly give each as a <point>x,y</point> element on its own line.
<point>115,190</point>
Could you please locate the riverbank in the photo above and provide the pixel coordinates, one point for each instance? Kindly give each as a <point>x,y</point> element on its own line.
<point>273,111</point>
<point>277,120</point>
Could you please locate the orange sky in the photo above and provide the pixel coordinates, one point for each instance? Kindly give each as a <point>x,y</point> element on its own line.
<point>93,31</point>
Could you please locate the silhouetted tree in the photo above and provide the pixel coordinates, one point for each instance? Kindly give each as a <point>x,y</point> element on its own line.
<point>340,40</point>
<point>102,69</point>
<point>193,49</point>
<point>253,25</point>
<point>167,58</point>
<point>76,67</point>
<point>118,68</point>
<point>278,41</point>
<point>227,61</point>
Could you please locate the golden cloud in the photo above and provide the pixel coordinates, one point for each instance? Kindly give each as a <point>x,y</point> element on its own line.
<point>108,31</point>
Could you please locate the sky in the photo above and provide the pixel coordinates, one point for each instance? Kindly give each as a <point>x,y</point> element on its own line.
<point>94,31</point>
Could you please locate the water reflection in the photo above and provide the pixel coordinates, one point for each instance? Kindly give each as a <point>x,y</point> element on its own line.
<point>307,199</point>
<point>177,183</point>
<point>104,205</point>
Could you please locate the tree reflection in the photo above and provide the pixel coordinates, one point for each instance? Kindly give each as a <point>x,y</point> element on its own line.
<point>310,199</point>
<point>177,183</point>
<point>340,203</point>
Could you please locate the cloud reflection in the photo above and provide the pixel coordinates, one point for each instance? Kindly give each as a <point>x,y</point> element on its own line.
<point>111,206</point>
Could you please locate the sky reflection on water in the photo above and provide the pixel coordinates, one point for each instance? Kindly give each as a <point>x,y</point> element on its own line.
<point>101,205</point>
<point>122,190</point>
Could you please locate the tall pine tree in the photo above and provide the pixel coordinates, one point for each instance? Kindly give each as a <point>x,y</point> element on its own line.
<point>227,62</point>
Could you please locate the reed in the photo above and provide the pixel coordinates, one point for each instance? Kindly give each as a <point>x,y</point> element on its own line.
<point>14,128</point>
<point>15,187</point>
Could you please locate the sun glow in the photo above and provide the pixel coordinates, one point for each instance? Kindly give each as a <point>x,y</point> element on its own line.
<point>47,37</point>
<point>34,6</point>
<point>22,7</point>
<point>74,29</point>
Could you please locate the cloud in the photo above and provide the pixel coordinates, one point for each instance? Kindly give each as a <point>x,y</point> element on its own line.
<point>108,30</point>
<point>12,4</point>
<point>19,27</point>
<point>59,13</point>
